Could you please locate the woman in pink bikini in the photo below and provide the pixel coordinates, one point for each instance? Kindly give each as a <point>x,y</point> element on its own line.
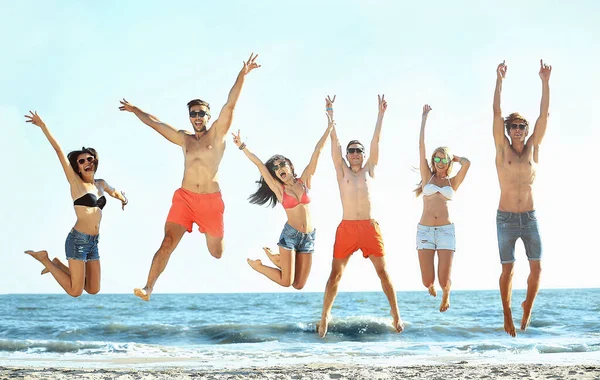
<point>435,231</point>
<point>279,183</point>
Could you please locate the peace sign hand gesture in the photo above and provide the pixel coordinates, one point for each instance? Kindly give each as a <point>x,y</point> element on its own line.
<point>250,64</point>
<point>237,139</point>
<point>382,104</point>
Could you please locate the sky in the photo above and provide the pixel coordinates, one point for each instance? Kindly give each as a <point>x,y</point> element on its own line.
<point>73,60</point>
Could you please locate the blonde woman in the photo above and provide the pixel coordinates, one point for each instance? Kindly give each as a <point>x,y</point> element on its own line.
<point>435,231</point>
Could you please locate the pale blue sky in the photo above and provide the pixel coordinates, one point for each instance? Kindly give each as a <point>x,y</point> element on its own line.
<point>73,60</point>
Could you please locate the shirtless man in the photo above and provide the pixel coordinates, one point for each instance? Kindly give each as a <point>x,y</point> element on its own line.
<point>199,198</point>
<point>516,160</point>
<point>358,230</point>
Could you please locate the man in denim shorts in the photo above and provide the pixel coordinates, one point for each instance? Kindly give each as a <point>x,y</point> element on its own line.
<point>516,161</point>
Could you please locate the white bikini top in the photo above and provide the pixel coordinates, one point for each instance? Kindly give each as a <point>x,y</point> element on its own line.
<point>446,191</point>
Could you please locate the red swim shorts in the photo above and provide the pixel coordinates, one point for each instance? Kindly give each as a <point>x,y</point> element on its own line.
<point>206,210</point>
<point>352,235</point>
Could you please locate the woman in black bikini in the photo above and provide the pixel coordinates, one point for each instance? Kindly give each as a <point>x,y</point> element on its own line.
<point>83,272</point>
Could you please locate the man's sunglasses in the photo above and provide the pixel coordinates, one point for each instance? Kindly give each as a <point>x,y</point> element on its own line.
<point>520,126</point>
<point>198,114</point>
<point>88,159</point>
<point>355,150</point>
<point>280,166</point>
<point>438,159</point>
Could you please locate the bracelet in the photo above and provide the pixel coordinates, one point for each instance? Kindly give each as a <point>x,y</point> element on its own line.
<point>461,160</point>
<point>125,201</point>
<point>243,146</point>
<point>328,109</point>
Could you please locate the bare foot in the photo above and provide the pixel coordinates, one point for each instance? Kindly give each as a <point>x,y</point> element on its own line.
<point>509,326</point>
<point>275,259</point>
<point>255,264</point>
<point>432,291</point>
<point>322,326</point>
<point>142,293</point>
<point>397,323</point>
<point>445,301</point>
<point>526,315</point>
<point>46,270</point>
<point>40,256</point>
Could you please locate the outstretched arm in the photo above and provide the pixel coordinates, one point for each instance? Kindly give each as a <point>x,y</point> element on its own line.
<point>120,195</point>
<point>314,159</point>
<point>465,164</point>
<point>374,154</point>
<point>223,123</point>
<point>35,119</point>
<point>499,137</point>
<point>274,185</point>
<point>423,164</point>
<point>336,149</point>
<point>167,131</point>
<point>542,121</point>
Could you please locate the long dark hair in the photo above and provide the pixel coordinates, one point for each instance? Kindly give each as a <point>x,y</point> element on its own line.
<point>264,194</point>
<point>72,156</point>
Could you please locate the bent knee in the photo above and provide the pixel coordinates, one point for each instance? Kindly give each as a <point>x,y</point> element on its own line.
<point>75,292</point>
<point>93,291</point>
<point>298,285</point>
<point>167,246</point>
<point>216,253</point>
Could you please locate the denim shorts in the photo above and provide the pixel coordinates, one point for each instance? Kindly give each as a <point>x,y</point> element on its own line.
<point>438,237</point>
<point>80,246</point>
<point>294,240</point>
<point>511,226</point>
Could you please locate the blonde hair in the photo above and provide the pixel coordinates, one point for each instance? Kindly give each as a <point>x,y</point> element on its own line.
<point>446,152</point>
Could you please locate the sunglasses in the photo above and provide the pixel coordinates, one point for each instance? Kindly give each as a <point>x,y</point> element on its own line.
<point>355,150</point>
<point>438,159</point>
<point>520,126</point>
<point>198,114</point>
<point>88,159</point>
<point>280,166</point>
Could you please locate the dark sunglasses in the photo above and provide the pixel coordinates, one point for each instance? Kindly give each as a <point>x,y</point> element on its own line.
<point>198,114</point>
<point>355,150</point>
<point>520,126</point>
<point>88,159</point>
<point>280,166</point>
<point>438,159</point>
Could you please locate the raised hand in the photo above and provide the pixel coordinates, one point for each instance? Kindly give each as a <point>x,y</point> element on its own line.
<point>329,107</point>
<point>126,106</point>
<point>250,64</point>
<point>545,71</point>
<point>237,139</point>
<point>35,119</point>
<point>125,202</point>
<point>382,104</point>
<point>501,70</point>
<point>426,109</point>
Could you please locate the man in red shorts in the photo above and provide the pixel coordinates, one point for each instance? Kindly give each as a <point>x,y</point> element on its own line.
<point>199,198</point>
<point>358,230</point>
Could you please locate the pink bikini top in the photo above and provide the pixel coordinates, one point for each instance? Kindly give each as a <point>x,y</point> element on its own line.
<point>289,201</point>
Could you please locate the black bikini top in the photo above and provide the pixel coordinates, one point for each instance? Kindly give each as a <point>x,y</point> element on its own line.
<point>90,200</point>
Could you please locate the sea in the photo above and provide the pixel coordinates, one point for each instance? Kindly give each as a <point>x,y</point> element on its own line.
<point>218,331</point>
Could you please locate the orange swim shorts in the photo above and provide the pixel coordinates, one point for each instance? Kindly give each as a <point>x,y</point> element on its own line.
<point>352,235</point>
<point>206,210</point>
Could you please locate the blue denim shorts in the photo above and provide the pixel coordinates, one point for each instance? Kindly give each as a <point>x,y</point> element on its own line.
<point>438,237</point>
<point>80,246</point>
<point>512,226</point>
<point>295,240</point>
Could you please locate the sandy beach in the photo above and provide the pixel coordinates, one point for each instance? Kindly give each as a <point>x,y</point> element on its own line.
<point>320,371</point>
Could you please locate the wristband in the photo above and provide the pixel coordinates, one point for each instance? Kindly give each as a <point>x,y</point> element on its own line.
<point>243,146</point>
